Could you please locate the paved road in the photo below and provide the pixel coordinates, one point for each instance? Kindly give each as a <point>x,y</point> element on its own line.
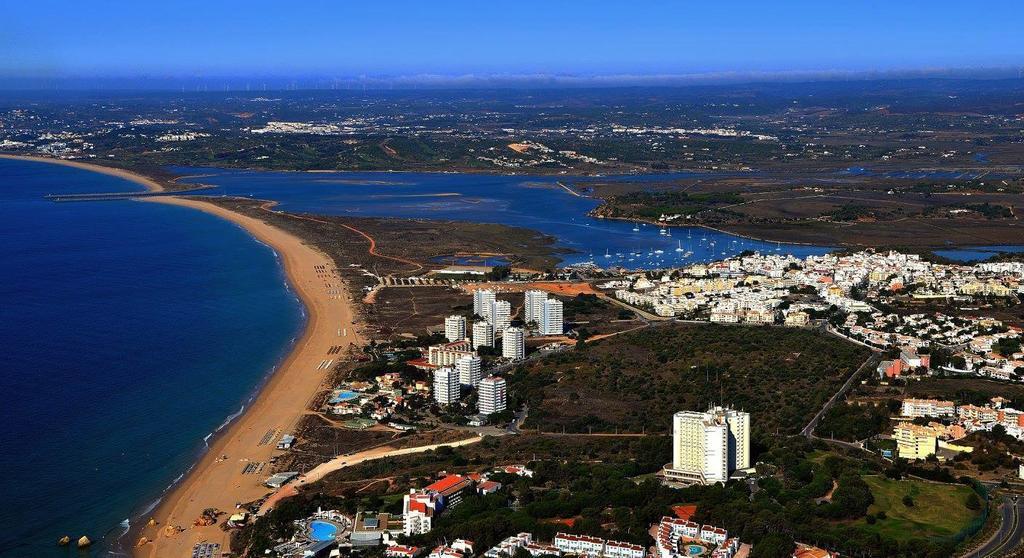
<point>1010,534</point>
<point>808,430</point>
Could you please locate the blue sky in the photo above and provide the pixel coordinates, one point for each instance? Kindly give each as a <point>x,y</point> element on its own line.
<point>346,38</point>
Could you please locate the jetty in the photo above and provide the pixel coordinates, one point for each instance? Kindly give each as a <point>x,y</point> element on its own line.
<point>111,196</point>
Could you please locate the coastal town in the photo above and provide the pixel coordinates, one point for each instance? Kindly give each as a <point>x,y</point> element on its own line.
<point>460,377</point>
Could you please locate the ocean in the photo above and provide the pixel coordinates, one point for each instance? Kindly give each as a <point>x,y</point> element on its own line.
<point>129,332</point>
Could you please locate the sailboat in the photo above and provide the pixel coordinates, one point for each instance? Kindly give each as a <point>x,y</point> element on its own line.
<point>636,228</point>
<point>679,246</point>
<point>607,253</point>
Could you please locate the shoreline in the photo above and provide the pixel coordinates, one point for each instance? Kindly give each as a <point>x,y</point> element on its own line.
<point>279,402</point>
<point>218,482</point>
<point>148,183</point>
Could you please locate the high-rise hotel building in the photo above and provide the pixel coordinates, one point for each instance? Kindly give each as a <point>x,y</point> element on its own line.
<point>708,447</point>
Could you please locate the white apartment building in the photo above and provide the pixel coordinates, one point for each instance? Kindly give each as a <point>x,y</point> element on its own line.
<point>579,544</point>
<point>469,369</point>
<point>492,395</point>
<point>446,386</point>
<point>455,328</point>
<point>483,334</point>
<point>916,408</point>
<point>708,447</point>
<point>551,318</point>
<point>482,301</point>
<point>619,549</point>
<point>501,315</point>
<point>513,344</point>
<point>533,306</point>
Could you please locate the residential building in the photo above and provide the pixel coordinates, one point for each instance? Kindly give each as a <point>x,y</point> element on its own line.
<point>708,447</point>
<point>420,507</point>
<point>400,551</point>
<point>916,408</point>
<point>513,343</point>
<point>446,386</point>
<point>501,315</point>
<point>483,299</point>
<point>455,328</point>
<point>469,369</point>
<point>579,544</point>
<point>533,306</point>
<point>447,353</point>
<point>483,334</point>
<point>914,441</point>
<point>618,549</point>
<point>551,318</point>
<point>491,395</point>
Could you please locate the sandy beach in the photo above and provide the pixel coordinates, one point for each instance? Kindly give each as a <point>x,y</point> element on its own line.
<point>218,480</point>
<point>148,183</point>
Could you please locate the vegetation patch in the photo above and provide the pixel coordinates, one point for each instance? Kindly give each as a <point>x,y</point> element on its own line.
<point>934,510</point>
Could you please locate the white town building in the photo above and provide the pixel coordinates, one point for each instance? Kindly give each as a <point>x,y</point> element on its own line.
<point>551,318</point>
<point>513,344</point>
<point>455,328</point>
<point>483,299</point>
<point>469,369</point>
<point>492,395</point>
<point>446,386</point>
<point>483,334</point>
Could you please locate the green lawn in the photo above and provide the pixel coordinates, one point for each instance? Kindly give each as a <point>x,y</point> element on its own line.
<point>939,509</point>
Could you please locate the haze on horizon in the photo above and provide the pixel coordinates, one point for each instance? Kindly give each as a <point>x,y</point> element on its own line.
<point>65,40</point>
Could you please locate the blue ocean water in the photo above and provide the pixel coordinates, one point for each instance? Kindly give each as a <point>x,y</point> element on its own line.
<point>128,332</point>
<point>533,202</point>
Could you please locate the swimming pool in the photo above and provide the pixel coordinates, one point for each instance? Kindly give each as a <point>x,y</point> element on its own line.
<point>694,550</point>
<point>344,396</point>
<point>322,530</point>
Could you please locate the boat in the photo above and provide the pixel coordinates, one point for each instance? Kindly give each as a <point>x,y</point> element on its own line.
<point>679,246</point>
<point>636,228</point>
<point>662,231</point>
<point>607,253</point>
<point>659,251</point>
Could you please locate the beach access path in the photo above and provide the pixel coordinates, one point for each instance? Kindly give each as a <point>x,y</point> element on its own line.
<point>221,478</point>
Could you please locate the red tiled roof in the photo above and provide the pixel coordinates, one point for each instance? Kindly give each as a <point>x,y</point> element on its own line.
<point>447,483</point>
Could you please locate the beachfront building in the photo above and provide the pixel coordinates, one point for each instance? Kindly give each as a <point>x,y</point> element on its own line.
<point>708,447</point>
<point>501,315</point>
<point>483,334</point>
<point>914,441</point>
<point>446,354</point>
<point>469,369</point>
<point>483,301</point>
<point>446,386</point>
<point>513,344</point>
<point>551,318</point>
<point>492,395</point>
<point>533,306</point>
<point>455,328</point>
